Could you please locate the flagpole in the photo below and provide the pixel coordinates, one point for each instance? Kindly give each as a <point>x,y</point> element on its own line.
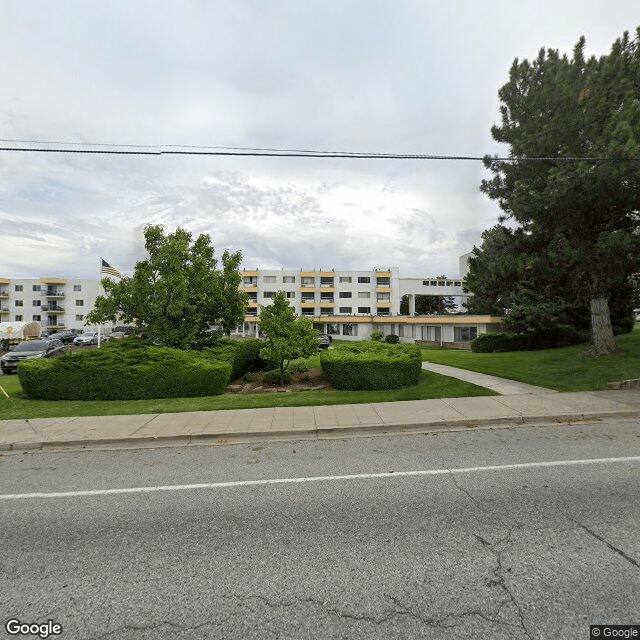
<point>99,285</point>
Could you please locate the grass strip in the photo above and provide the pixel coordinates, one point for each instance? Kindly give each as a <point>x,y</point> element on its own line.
<point>431,385</point>
<point>563,369</point>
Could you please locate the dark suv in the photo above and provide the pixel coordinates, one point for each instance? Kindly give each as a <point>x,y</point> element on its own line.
<point>30,350</point>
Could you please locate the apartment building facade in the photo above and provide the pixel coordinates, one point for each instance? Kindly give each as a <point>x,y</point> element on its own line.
<point>350,305</point>
<point>59,304</point>
<point>353,304</point>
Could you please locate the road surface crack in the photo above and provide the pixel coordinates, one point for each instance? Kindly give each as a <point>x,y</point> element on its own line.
<point>620,552</point>
<point>461,488</point>
<point>499,572</point>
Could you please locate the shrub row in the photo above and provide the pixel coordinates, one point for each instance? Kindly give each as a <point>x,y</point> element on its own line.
<point>127,370</point>
<point>243,355</point>
<point>372,365</point>
<point>560,336</point>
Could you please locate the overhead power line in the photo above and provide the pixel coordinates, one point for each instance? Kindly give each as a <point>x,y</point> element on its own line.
<point>39,146</point>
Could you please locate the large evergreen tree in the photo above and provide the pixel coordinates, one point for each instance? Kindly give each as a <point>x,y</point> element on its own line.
<point>572,180</point>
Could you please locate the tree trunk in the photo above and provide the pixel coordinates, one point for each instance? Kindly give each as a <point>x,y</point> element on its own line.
<point>604,343</point>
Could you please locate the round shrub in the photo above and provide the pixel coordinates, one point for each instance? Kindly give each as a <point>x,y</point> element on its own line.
<point>127,370</point>
<point>392,338</point>
<point>273,376</point>
<point>372,365</point>
<point>242,354</point>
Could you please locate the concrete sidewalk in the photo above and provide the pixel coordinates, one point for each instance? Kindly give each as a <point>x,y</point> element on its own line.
<point>500,385</point>
<point>319,422</point>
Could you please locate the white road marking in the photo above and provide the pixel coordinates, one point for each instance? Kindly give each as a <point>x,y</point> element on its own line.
<point>359,476</point>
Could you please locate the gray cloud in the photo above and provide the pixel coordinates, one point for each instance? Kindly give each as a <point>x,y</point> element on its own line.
<point>412,77</point>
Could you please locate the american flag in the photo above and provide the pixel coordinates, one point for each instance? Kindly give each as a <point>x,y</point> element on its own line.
<point>107,268</point>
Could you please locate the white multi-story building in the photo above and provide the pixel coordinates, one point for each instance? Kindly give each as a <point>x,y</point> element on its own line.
<point>346,304</point>
<point>354,304</point>
<point>57,303</point>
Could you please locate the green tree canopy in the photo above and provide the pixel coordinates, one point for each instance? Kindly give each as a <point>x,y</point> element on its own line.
<point>572,180</point>
<point>177,295</point>
<point>287,336</point>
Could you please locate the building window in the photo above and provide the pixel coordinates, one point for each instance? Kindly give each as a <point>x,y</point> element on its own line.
<point>363,279</point>
<point>364,294</point>
<point>344,279</point>
<point>332,330</point>
<point>383,311</point>
<point>77,287</point>
<point>36,287</point>
<point>79,303</point>
<point>326,282</point>
<point>268,294</point>
<point>250,281</point>
<point>291,294</point>
<point>364,309</point>
<point>288,279</point>
<point>384,297</point>
<point>431,332</point>
<point>269,279</point>
<point>35,303</point>
<point>18,318</point>
<point>307,282</point>
<point>19,303</point>
<point>36,318</point>
<point>346,309</point>
<point>349,329</point>
<point>18,287</point>
<point>79,317</point>
<point>464,334</point>
<point>383,282</point>
<point>344,294</point>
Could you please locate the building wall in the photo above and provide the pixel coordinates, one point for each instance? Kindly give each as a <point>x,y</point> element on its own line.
<point>57,303</point>
<point>346,304</point>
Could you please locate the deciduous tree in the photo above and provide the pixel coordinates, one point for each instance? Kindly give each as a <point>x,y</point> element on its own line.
<point>177,295</point>
<point>287,336</point>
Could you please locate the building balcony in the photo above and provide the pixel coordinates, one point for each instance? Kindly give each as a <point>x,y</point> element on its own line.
<point>4,309</point>
<point>53,324</point>
<point>53,293</point>
<point>4,293</point>
<point>49,308</point>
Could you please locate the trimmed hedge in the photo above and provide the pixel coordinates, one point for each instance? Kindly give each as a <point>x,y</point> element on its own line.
<point>560,336</point>
<point>392,338</point>
<point>243,355</point>
<point>372,365</point>
<point>127,370</point>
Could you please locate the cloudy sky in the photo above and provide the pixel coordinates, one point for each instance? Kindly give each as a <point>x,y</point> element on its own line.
<point>382,76</point>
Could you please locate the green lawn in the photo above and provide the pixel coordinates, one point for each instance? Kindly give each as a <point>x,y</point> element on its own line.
<point>430,386</point>
<point>564,369</point>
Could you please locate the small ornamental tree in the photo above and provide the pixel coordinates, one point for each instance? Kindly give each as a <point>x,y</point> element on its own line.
<point>178,296</point>
<point>287,336</point>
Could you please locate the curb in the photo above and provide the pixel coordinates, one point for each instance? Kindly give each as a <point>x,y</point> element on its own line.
<point>312,433</point>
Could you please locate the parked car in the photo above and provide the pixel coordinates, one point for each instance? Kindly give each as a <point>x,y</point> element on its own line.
<point>28,351</point>
<point>66,337</point>
<point>89,337</point>
<point>118,335</point>
<point>324,341</point>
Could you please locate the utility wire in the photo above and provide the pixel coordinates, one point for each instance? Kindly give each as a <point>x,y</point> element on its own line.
<point>196,150</point>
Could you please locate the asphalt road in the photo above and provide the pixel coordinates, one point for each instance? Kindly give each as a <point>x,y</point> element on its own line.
<point>509,552</point>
